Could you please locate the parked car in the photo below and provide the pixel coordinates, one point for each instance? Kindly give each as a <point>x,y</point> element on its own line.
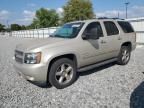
<point>76,46</point>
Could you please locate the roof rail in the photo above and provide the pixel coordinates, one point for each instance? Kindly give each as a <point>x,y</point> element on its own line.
<point>110,18</point>
<point>118,18</point>
<point>103,18</point>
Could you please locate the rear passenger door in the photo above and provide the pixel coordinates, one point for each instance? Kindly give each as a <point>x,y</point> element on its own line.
<point>112,38</point>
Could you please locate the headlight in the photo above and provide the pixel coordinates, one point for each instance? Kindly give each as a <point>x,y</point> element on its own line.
<point>32,58</point>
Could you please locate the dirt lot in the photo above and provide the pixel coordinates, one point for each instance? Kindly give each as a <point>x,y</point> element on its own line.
<point>110,86</point>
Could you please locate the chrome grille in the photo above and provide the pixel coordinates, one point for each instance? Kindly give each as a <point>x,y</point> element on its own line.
<point>19,56</point>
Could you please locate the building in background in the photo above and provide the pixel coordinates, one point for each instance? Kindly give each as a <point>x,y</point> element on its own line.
<point>138,25</point>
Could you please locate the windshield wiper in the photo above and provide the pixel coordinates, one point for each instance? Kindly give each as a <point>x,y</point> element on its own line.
<point>59,36</point>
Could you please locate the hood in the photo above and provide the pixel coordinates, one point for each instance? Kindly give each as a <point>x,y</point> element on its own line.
<point>37,43</point>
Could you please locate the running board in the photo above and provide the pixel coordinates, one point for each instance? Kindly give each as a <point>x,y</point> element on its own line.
<point>96,65</point>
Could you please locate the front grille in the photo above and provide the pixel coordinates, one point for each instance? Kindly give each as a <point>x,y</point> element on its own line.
<point>19,56</point>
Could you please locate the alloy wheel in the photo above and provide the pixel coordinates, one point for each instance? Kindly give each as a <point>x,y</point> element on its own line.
<point>64,73</point>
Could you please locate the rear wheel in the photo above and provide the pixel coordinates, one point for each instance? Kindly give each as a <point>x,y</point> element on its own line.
<point>124,55</point>
<point>62,73</point>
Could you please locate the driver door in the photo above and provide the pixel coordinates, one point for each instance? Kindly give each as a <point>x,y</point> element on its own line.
<point>93,47</point>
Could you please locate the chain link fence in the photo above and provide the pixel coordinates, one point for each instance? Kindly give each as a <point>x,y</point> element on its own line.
<point>33,33</point>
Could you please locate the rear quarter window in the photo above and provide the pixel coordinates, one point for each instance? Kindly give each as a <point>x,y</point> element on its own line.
<point>126,26</point>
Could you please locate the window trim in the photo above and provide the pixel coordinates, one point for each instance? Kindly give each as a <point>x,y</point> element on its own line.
<point>95,22</point>
<point>123,28</point>
<point>115,26</point>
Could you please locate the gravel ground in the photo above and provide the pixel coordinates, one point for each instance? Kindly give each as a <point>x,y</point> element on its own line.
<point>110,86</point>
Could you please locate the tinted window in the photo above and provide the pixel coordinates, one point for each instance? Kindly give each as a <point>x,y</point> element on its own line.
<point>126,27</point>
<point>94,26</point>
<point>111,28</point>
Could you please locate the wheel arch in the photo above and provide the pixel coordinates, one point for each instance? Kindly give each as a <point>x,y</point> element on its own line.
<point>70,56</point>
<point>129,44</point>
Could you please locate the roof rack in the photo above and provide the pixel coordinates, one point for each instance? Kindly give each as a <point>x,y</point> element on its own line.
<point>110,18</point>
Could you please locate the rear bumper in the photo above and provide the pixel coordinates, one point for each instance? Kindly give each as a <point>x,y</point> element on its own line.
<point>36,73</point>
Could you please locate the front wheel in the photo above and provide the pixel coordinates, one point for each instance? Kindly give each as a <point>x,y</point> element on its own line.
<point>62,73</point>
<point>124,55</point>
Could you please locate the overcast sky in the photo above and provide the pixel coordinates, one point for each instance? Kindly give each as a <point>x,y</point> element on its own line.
<point>23,11</point>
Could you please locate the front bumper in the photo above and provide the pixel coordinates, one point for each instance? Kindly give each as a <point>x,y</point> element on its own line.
<point>32,72</point>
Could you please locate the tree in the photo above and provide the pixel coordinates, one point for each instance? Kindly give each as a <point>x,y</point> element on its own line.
<point>15,27</point>
<point>2,27</point>
<point>23,27</point>
<point>78,10</point>
<point>45,18</point>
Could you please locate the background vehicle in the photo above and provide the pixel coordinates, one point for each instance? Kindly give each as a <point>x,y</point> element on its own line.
<point>76,46</point>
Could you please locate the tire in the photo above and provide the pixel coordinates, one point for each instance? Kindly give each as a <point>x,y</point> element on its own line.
<point>124,55</point>
<point>62,73</point>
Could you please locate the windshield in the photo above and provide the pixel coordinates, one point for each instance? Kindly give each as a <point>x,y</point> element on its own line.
<point>68,30</point>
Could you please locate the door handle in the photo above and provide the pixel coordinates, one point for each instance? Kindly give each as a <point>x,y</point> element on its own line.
<point>103,42</point>
<point>119,38</point>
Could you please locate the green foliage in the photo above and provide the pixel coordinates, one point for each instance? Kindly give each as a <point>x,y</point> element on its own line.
<point>15,27</point>
<point>45,18</point>
<point>78,10</point>
<point>2,28</point>
<point>23,27</point>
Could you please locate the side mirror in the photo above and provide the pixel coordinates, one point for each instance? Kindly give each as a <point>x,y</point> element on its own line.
<point>85,36</point>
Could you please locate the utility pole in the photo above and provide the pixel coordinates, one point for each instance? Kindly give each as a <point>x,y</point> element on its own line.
<point>9,31</point>
<point>7,21</point>
<point>126,4</point>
